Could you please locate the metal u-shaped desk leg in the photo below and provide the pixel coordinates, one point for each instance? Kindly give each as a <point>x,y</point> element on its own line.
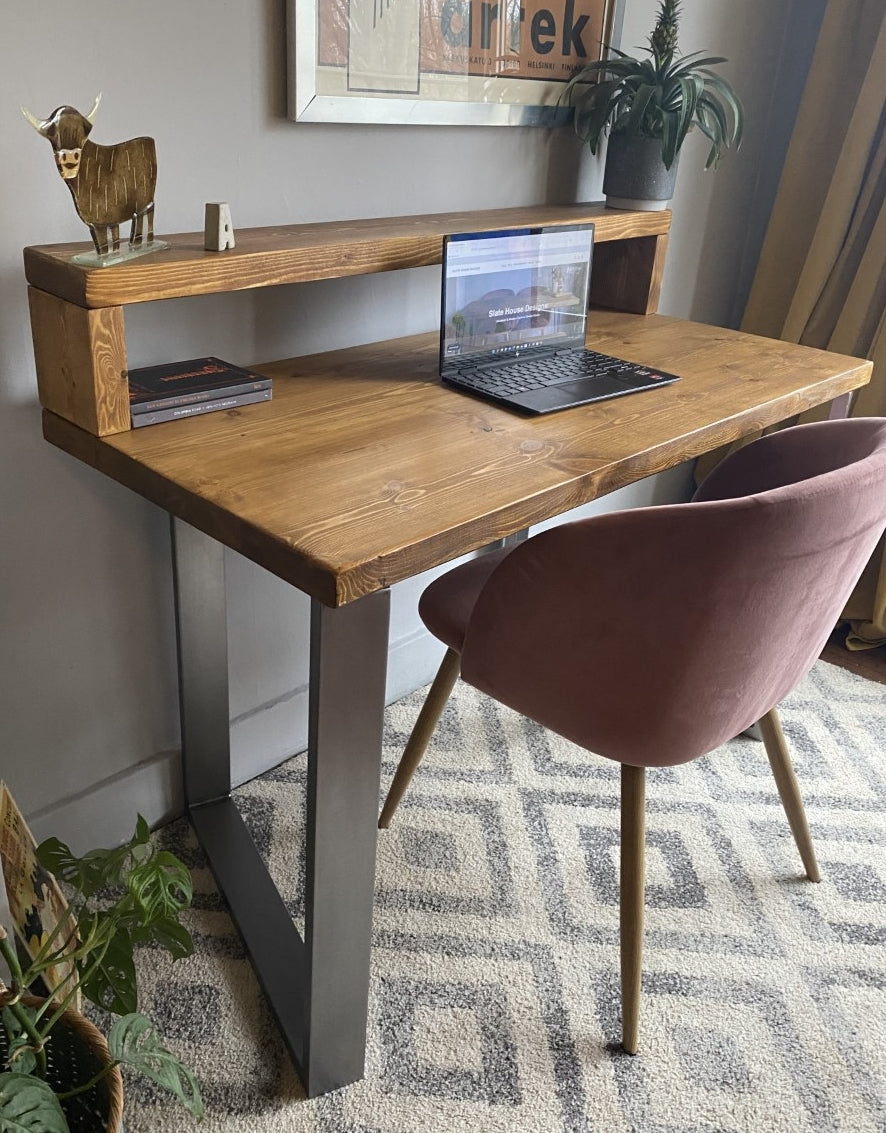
<point>317,988</point>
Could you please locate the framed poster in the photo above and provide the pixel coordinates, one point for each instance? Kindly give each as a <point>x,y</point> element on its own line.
<point>443,62</point>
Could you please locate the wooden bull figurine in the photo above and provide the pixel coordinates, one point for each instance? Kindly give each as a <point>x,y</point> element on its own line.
<point>109,184</point>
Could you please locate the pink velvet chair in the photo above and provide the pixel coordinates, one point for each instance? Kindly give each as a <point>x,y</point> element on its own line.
<point>652,636</point>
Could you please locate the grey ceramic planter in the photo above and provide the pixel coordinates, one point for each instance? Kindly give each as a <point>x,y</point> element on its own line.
<point>635,176</point>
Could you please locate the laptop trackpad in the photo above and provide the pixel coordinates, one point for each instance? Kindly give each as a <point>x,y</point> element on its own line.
<point>580,392</point>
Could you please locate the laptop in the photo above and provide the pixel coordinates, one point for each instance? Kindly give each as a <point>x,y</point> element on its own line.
<point>513,321</point>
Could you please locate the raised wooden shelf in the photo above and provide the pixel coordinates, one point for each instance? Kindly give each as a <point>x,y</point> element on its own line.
<point>299,253</point>
<point>77,312</point>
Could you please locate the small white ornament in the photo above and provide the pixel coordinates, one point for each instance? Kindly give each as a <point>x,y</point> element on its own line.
<point>218,232</point>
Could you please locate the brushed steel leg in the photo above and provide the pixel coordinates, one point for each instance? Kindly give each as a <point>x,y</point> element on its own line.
<point>318,988</point>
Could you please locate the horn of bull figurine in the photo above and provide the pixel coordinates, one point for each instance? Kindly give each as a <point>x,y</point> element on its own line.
<point>91,115</point>
<point>39,126</point>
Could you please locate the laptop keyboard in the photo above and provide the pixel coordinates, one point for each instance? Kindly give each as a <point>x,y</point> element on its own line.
<point>534,373</point>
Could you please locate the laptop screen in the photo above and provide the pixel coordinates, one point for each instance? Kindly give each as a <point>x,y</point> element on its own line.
<point>508,292</point>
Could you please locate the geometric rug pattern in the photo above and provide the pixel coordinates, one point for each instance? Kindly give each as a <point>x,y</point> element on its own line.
<point>495,992</point>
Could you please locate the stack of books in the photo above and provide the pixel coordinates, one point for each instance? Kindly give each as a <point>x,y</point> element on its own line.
<point>185,389</point>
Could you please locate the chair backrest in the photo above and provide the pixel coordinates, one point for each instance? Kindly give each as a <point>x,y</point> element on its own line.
<point>651,636</point>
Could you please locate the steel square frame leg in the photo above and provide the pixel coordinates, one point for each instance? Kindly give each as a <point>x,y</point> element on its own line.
<point>318,987</point>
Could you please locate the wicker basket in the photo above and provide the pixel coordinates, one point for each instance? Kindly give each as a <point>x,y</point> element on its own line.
<point>75,1052</point>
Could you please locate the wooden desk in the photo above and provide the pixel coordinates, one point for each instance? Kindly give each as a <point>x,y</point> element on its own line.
<point>363,471</point>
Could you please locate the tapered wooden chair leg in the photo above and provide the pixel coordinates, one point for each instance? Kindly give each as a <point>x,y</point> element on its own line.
<point>431,710</point>
<point>633,871</point>
<point>789,790</point>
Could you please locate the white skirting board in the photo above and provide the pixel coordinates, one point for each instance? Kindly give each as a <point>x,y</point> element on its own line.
<point>105,814</point>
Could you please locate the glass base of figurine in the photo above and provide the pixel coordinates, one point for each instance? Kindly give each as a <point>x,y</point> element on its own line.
<point>121,256</point>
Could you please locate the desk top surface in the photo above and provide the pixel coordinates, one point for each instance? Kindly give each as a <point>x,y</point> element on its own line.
<point>364,470</point>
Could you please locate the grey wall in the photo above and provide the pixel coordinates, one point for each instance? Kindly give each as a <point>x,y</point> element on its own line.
<point>88,713</point>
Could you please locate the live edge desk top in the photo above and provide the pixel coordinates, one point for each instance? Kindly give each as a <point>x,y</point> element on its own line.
<point>363,470</point>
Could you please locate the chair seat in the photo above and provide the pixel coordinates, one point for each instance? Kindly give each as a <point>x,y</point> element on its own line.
<point>446,604</point>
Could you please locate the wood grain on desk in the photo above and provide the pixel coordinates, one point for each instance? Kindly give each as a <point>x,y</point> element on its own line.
<point>364,470</point>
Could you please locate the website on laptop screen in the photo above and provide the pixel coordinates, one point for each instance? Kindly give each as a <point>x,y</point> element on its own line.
<point>505,292</point>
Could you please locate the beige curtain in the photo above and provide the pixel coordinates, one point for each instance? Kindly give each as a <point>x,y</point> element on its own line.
<point>821,279</point>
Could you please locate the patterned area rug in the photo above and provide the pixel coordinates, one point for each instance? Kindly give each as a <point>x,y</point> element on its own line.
<point>495,1003</point>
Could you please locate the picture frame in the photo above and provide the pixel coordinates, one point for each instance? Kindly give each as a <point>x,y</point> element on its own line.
<point>441,62</point>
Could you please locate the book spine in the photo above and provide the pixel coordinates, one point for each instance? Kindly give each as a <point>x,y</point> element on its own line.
<point>156,403</point>
<point>178,412</point>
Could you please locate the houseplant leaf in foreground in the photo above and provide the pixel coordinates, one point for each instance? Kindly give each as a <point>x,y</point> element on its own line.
<point>111,982</point>
<point>116,898</point>
<point>98,868</point>
<point>133,1041</point>
<point>28,1105</point>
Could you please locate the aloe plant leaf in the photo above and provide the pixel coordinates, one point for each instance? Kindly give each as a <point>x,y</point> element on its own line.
<point>587,76</point>
<point>668,141</point>
<point>639,105</point>
<point>590,73</point>
<point>703,123</point>
<point>717,129</point>
<point>717,118</point>
<point>28,1105</point>
<point>693,63</point>
<point>596,94</point>
<point>595,110</point>
<point>589,133</point>
<point>717,88</point>
<point>688,102</point>
<point>646,73</point>
<point>134,1041</point>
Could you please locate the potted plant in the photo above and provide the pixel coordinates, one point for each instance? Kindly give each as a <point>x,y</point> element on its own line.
<point>61,1075</point>
<point>647,106</point>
